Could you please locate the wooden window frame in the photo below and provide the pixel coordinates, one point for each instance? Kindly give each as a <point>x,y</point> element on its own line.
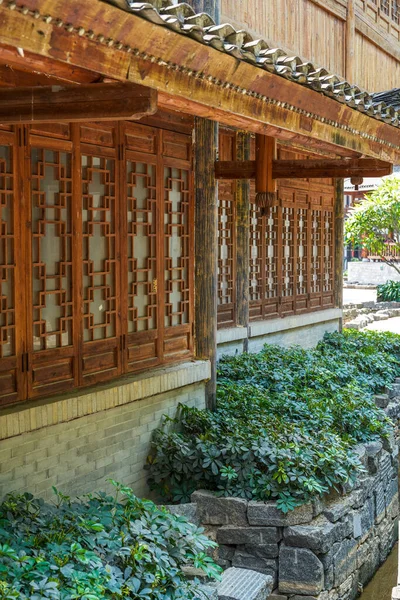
<point>308,196</point>
<point>29,374</point>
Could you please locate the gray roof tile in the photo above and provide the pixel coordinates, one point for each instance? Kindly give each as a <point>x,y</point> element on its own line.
<point>181,18</point>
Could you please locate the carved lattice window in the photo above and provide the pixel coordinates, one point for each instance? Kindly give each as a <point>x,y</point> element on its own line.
<point>271,221</point>
<point>302,252</point>
<point>385,7</point>
<point>142,247</point>
<point>328,251</point>
<point>7,255</point>
<point>256,254</point>
<point>226,253</point>
<point>316,251</point>
<point>176,232</point>
<point>106,254</point>
<point>99,248</point>
<point>292,251</point>
<point>51,249</point>
<point>287,251</point>
<point>396,11</point>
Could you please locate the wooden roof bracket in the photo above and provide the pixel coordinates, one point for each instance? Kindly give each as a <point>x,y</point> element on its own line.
<point>74,103</point>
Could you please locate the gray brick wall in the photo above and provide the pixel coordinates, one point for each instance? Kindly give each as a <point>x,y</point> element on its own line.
<point>79,455</point>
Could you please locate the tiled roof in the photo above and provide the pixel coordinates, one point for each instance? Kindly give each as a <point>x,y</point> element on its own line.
<point>241,44</point>
<point>391,97</point>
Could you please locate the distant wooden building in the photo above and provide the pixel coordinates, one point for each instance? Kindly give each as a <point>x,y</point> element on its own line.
<point>170,189</point>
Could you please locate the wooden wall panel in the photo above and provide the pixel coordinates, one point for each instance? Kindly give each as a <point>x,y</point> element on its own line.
<point>375,70</point>
<point>316,31</point>
<point>298,26</point>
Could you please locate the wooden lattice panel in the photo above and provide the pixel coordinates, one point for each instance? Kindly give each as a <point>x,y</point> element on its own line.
<point>176,231</point>
<point>226,291</point>
<point>142,247</point>
<point>11,386</point>
<point>316,279</point>
<point>291,248</point>
<point>226,253</point>
<point>256,250</point>
<point>107,257</point>
<point>271,222</point>
<point>302,259</point>
<point>99,248</point>
<point>7,255</point>
<point>51,249</point>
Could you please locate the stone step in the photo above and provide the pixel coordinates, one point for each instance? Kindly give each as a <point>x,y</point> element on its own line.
<point>244,584</point>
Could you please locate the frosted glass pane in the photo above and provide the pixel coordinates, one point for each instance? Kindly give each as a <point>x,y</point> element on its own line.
<point>51,249</point>
<point>99,247</point>
<point>7,258</point>
<point>142,247</point>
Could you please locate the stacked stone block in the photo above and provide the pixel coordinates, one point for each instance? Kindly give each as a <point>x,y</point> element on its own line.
<point>324,550</point>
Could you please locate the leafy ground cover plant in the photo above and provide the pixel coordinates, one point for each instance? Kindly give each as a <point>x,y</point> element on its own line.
<point>389,291</point>
<point>286,423</point>
<point>96,548</point>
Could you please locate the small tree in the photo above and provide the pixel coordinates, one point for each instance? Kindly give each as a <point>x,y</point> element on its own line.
<point>374,224</point>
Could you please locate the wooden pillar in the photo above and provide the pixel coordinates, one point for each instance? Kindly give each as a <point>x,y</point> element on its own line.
<point>206,251</point>
<point>339,243</point>
<point>242,234</point>
<point>350,42</point>
<point>206,233</point>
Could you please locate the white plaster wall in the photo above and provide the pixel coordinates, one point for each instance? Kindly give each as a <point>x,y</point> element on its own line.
<point>373,273</point>
<point>303,330</point>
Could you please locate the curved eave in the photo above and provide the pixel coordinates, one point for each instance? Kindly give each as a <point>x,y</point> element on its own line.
<point>191,76</point>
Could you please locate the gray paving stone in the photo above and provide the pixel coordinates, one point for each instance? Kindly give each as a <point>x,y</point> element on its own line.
<point>219,511</point>
<point>381,400</point>
<point>300,572</point>
<point>380,506</point>
<point>245,560</point>
<point>266,551</point>
<point>259,536</point>
<point>344,561</point>
<point>317,536</point>
<point>241,584</point>
<point>189,511</point>
<point>267,514</point>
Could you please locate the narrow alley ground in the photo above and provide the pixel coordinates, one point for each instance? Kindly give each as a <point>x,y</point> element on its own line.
<point>392,325</point>
<point>357,295</point>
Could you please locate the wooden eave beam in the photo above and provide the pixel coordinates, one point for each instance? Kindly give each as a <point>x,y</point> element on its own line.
<point>306,169</point>
<point>99,37</point>
<point>49,68</point>
<point>96,101</point>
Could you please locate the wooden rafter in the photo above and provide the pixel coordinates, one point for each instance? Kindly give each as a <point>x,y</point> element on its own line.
<point>98,101</point>
<point>122,46</point>
<point>306,169</point>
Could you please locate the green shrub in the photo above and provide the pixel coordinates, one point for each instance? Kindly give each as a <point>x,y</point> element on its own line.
<point>286,422</point>
<point>97,548</point>
<point>389,292</point>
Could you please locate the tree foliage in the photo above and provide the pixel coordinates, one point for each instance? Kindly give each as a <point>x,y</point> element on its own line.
<point>376,221</point>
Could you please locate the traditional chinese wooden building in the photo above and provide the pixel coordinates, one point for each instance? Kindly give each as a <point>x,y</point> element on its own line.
<point>171,188</point>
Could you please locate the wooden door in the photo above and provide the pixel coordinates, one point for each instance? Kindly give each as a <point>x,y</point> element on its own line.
<point>101,341</point>
<point>12,265</point>
<point>52,363</point>
<point>176,218</point>
<point>141,234</point>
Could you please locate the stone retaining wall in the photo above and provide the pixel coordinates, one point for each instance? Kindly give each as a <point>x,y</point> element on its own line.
<point>358,316</point>
<point>324,550</point>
